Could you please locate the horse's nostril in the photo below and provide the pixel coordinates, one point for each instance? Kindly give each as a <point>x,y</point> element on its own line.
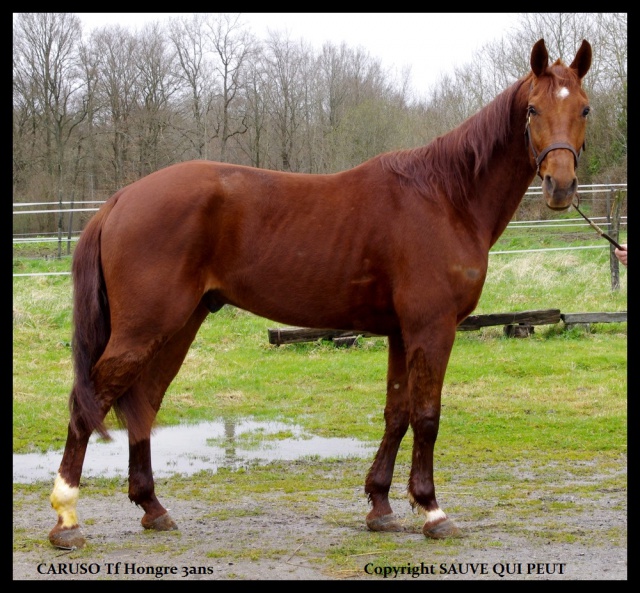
<point>574,185</point>
<point>549,184</point>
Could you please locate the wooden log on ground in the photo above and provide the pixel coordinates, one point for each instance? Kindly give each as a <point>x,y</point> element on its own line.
<point>517,324</point>
<point>535,317</point>
<point>292,335</point>
<point>571,318</point>
<point>585,320</point>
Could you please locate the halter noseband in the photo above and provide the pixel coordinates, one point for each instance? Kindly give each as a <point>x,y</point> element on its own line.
<point>540,157</point>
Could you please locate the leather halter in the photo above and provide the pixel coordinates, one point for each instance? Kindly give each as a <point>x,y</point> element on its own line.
<point>555,146</point>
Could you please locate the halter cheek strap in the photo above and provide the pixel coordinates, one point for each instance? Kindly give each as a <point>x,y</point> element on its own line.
<point>555,146</point>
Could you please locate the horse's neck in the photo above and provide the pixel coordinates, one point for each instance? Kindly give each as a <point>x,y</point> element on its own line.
<point>507,177</point>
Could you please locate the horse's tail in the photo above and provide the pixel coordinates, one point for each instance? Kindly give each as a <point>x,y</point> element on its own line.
<point>91,325</point>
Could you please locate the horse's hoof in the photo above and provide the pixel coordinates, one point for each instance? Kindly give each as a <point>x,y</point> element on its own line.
<point>67,539</point>
<point>162,523</point>
<point>384,523</point>
<point>441,530</point>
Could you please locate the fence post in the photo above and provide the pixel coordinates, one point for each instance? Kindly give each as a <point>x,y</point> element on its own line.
<point>70,231</point>
<point>59,223</point>
<point>614,231</point>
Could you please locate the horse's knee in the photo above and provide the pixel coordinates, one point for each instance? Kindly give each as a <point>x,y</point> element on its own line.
<point>425,426</point>
<point>396,420</point>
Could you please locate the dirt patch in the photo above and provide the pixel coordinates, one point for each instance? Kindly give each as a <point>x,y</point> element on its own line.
<point>322,536</point>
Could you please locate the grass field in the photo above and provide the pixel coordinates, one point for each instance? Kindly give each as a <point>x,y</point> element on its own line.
<point>531,455</point>
<point>571,381</point>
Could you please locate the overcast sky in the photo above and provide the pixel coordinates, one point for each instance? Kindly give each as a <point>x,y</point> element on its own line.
<point>431,44</point>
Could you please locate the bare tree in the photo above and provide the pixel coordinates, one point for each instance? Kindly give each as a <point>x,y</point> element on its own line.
<point>335,83</point>
<point>608,134</point>
<point>562,32</point>
<point>89,67</point>
<point>256,84</point>
<point>195,71</point>
<point>26,120</point>
<point>233,47</point>
<point>115,50</point>
<point>46,77</point>
<point>283,63</point>
<point>122,104</point>
<point>157,82</point>
<point>357,107</point>
<point>48,90</point>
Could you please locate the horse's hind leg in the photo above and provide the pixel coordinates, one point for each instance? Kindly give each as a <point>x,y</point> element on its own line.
<point>114,372</point>
<point>396,416</point>
<point>66,533</point>
<point>114,376</point>
<point>150,387</point>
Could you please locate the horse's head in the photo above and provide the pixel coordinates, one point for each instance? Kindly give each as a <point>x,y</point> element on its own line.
<point>556,122</point>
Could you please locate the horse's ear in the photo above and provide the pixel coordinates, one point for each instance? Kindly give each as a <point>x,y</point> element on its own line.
<point>539,57</point>
<point>582,61</point>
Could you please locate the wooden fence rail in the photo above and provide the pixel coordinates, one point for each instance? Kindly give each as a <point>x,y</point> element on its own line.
<point>517,324</point>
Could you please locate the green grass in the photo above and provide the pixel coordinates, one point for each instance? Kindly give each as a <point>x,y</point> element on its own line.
<point>533,431</point>
<point>571,384</point>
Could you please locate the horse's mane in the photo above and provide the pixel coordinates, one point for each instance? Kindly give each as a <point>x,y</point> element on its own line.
<point>451,162</point>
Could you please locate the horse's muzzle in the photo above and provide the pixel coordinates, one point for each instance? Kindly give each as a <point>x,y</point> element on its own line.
<point>558,195</point>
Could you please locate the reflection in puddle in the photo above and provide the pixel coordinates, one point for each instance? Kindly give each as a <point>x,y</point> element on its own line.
<point>190,448</point>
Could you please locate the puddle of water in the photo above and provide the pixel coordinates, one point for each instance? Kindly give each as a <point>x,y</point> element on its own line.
<point>190,448</point>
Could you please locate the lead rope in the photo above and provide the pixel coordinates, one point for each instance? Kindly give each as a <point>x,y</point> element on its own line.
<point>599,230</point>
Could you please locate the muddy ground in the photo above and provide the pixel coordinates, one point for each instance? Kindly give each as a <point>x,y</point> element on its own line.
<point>280,536</point>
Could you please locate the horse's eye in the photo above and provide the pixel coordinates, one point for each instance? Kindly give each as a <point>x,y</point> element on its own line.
<point>531,110</point>
<point>586,111</point>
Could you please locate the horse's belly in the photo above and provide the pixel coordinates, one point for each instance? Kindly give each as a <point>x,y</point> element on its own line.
<point>310,301</point>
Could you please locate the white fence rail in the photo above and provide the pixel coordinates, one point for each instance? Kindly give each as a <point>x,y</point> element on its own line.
<point>69,236</point>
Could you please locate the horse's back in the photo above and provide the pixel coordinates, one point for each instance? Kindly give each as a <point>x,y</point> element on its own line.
<point>303,249</point>
<point>258,238</point>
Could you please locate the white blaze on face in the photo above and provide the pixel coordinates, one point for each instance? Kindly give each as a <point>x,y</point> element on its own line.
<point>563,93</point>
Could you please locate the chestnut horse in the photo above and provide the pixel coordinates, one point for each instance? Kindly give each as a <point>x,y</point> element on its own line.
<point>397,246</point>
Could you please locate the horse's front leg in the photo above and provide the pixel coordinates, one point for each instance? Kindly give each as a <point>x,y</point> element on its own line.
<point>427,357</point>
<point>396,417</point>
